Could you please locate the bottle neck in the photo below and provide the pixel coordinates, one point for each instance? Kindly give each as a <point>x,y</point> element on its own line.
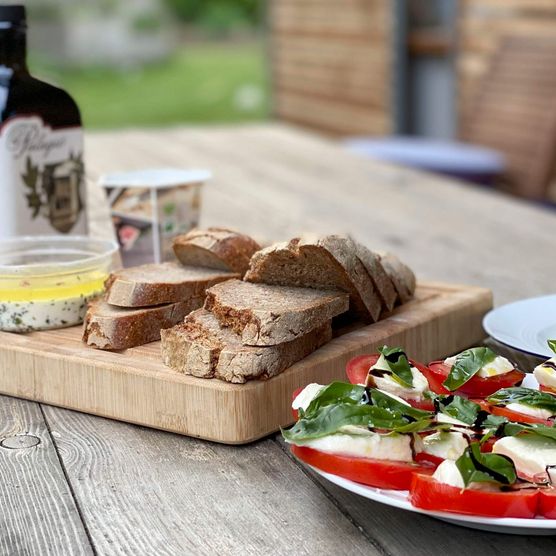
<point>13,47</point>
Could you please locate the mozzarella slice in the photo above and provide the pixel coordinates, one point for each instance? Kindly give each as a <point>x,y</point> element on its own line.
<point>448,474</point>
<point>546,374</point>
<point>528,410</point>
<point>394,397</point>
<point>306,396</point>
<point>392,386</point>
<point>394,447</point>
<point>445,418</point>
<point>499,366</point>
<point>531,455</point>
<point>446,445</point>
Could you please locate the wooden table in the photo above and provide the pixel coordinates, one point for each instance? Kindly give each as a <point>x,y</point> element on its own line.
<point>94,486</point>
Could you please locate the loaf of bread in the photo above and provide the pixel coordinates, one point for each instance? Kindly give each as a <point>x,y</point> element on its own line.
<point>110,327</point>
<point>216,248</point>
<point>330,262</point>
<point>201,347</point>
<point>266,315</point>
<point>155,284</point>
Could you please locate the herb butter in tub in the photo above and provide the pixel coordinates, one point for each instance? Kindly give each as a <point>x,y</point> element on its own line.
<point>46,281</point>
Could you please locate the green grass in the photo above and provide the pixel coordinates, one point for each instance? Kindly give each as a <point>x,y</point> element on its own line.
<point>198,84</point>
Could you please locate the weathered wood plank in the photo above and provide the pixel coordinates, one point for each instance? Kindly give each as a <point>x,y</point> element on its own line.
<point>38,514</point>
<point>147,492</point>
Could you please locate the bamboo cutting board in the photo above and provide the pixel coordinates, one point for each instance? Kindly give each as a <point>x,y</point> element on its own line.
<point>55,367</point>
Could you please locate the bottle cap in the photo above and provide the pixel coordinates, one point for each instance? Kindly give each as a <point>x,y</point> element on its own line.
<point>12,13</point>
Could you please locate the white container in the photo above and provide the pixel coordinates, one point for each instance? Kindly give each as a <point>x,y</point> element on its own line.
<point>150,207</point>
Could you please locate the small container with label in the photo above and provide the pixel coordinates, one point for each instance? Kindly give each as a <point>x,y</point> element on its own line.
<point>150,207</point>
<point>41,144</point>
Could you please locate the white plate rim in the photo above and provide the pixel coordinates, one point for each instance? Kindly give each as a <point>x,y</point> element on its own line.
<point>399,499</point>
<point>509,339</point>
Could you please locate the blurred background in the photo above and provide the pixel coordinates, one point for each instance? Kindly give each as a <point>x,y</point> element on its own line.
<point>464,88</point>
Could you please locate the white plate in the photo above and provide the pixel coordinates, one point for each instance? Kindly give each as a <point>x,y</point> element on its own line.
<point>398,499</point>
<point>524,325</point>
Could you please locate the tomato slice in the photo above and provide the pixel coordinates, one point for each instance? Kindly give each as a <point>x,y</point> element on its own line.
<point>547,502</point>
<point>476,387</point>
<point>378,473</point>
<point>296,393</point>
<point>358,367</point>
<point>425,405</point>
<point>429,494</point>
<point>518,417</point>
<point>547,389</point>
<point>423,457</point>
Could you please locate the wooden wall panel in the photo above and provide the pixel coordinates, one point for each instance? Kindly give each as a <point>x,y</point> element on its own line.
<point>331,64</point>
<point>483,24</point>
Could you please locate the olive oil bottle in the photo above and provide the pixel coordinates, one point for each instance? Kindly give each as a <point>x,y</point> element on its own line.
<point>41,144</point>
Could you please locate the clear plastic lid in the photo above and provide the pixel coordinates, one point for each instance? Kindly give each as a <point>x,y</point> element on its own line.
<point>34,256</point>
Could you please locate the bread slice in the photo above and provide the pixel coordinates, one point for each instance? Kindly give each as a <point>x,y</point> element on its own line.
<point>110,327</point>
<point>217,248</point>
<point>330,262</point>
<point>401,275</point>
<point>266,315</point>
<point>201,347</point>
<point>193,346</point>
<point>383,283</point>
<point>155,284</point>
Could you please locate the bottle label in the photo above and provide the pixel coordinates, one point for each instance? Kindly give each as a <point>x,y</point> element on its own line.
<point>42,178</point>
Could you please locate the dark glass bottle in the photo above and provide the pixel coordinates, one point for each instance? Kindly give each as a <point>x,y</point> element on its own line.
<point>41,144</point>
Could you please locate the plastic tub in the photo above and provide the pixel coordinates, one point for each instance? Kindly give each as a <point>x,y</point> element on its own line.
<point>47,281</point>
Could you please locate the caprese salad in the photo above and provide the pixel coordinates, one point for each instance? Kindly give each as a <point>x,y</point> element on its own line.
<point>461,435</point>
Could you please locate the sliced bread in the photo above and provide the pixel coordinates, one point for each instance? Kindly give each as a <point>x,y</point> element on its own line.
<point>155,284</point>
<point>401,275</point>
<point>330,262</point>
<point>217,248</point>
<point>265,315</point>
<point>383,283</point>
<point>201,347</point>
<point>110,327</point>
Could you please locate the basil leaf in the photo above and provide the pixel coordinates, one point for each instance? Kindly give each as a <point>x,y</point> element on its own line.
<point>420,425</point>
<point>329,419</point>
<point>552,345</point>
<point>467,364</point>
<point>492,422</point>
<point>460,408</point>
<point>525,396</point>
<point>332,417</point>
<point>477,467</point>
<point>381,399</point>
<point>335,393</point>
<point>515,429</point>
<point>399,365</point>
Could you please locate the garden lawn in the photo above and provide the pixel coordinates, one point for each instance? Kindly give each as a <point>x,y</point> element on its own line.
<point>199,83</point>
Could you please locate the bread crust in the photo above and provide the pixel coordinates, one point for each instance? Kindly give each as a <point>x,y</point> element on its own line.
<point>328,263</point>
<point>382,282</point>
<point>401,275</point>
<point>266,315</point>
<point>201,347</point>
<point>115,328</point>
<point>157,284</point>
<point>217,248</point>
